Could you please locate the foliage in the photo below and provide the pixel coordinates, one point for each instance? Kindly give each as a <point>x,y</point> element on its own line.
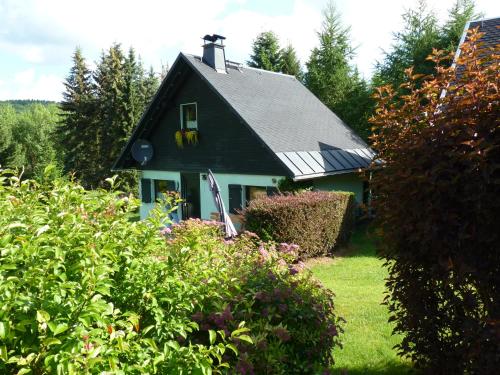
<point>331,77</point>
<point>315,221</point>
<point>100,109</point>
<point>179,139</point>
<point>289,62</point>
<point>421,33</point>
<point>437,204</point>
<point>83,289</point>
<point>26,137</point>
<point>78,131</point>
<point>268,55</point>
<point>265,52</point>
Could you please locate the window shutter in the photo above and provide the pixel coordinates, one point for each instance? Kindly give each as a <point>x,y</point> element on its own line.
<point>146,190</point>
<point>271,190</point>
<point>235,203</point>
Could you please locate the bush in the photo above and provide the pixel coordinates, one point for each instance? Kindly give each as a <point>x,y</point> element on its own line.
<point>84,289</point>
<point>316,221</point>
<point>439,211</point>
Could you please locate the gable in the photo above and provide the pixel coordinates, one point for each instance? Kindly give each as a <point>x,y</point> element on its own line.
<point>226,144</point>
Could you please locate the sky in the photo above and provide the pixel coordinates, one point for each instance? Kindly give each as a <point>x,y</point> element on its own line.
<point>38,37</point>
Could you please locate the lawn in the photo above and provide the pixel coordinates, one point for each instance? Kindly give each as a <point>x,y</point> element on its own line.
<point>357,279</point>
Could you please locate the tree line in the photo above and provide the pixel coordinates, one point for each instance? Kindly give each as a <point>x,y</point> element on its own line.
<point>331,75</point>
<point>85,133</point>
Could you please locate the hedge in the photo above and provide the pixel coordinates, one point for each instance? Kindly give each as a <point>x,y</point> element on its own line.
<point>317,222</point>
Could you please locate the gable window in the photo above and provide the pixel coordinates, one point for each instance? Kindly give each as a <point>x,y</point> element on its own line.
<point>189,116</point>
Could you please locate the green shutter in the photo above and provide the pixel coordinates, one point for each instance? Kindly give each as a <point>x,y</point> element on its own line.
<point>235,202</point>
<point>146,190</point>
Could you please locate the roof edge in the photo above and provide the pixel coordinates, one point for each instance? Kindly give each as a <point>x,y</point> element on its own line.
<point>128,145</point>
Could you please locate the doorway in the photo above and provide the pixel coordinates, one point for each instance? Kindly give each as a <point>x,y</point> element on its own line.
<point>190,194</point>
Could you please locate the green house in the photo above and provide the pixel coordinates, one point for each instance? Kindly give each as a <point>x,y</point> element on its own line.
<point>251,127</point>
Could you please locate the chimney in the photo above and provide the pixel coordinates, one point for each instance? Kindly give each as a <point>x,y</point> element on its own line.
<point>213,52</point>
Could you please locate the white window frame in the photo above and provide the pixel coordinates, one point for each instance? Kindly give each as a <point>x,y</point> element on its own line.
<point>185,127</point>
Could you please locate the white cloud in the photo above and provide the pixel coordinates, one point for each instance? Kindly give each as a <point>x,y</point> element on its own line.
<point>44,34</point>
<point>25,77</point>
<point>27,84</point>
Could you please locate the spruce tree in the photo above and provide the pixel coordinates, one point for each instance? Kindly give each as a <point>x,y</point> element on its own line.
<point>289,62</point>
<point>461,12</point>
<point>411,47</point>
<point>328,69</point>
<point>332,78</point>
<point>76,132</point>
<point>113,121</point>
<point>265,52</point>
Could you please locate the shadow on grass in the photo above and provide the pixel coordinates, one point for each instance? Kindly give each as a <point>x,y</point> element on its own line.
<point>392,368</point>
<point>363,243</point>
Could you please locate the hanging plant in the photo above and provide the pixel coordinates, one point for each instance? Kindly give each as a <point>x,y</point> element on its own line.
<point>179,138</point>
<point>192,137</point>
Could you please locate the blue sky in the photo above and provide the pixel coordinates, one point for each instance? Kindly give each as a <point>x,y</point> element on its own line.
<point>38,37</point>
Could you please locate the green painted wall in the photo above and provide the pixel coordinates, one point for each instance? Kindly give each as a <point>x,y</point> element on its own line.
<point>224,180</point>
<point>342,182</point>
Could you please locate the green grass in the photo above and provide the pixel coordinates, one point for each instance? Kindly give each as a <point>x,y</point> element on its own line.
<point>357,279</point>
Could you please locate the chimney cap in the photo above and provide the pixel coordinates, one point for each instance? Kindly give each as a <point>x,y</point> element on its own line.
<point>213,38</point>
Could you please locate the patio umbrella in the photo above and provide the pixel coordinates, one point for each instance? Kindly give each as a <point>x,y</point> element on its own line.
<point>224,217</point>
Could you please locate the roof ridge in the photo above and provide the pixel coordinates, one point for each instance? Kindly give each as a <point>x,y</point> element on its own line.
<point>244,66</point>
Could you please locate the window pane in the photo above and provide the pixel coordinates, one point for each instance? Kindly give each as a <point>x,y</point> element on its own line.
<point>254,192</point>
<point>189,120</point>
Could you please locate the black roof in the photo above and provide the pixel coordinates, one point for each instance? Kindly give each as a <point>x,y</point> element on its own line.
<point>285,115</point>
<point>491,29</point>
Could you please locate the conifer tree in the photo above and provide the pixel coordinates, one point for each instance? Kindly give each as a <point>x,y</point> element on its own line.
<point>265,52</point>
<point>332,78</point>
<point>76,133</point>
<point>289,62</point>
<point>421,33</point>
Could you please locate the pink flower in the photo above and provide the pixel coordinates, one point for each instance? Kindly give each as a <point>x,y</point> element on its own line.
<point>263,252</point>
<point>166,231</point>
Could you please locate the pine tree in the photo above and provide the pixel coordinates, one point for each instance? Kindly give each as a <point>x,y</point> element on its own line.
<point>411,47</point>
<point>265,52</point>
<point>113,121</point>
<point>460,13</point>
<point>332,78</point>
<point>329,73</point>
<point>289,62</point>
<point>76,132</point>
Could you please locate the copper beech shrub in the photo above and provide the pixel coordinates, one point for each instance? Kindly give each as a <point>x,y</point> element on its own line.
<point>436,190</point>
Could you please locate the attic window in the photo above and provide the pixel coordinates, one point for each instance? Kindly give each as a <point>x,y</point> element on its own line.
<point>189,116</point>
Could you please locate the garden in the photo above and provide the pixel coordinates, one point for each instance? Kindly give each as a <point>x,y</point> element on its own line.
<point>85,288</point>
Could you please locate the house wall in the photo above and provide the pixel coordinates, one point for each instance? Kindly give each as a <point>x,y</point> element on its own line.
<point>224,180</point>
<point>342,182</point>
<point>155,175</point>
<point>207,202</point>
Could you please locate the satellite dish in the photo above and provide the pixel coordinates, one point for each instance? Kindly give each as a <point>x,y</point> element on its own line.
<point>142,151</point>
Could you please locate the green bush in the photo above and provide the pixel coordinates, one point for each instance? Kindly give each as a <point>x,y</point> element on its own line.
<point>437,202</point>
<point>83,289</point>
<point>316,221</point>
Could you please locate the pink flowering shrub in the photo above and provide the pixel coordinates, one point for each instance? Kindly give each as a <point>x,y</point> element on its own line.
<point>316,221</point>
<point>290,316</point>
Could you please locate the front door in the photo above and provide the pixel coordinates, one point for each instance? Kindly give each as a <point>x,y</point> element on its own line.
<point>190,193</point>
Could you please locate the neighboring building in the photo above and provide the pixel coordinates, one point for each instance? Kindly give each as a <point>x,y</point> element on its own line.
<point>491,29</point>
<point>253,128</point>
